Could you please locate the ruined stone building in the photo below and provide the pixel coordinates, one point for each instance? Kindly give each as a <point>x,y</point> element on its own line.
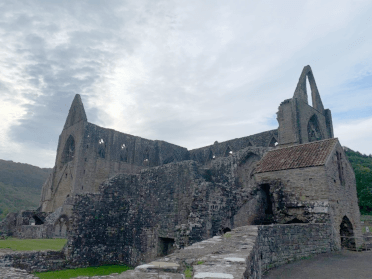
<point>122,198</point>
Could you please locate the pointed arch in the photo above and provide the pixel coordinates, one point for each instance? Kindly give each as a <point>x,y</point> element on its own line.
<point>146,157</point>
<point>211,156</point>
<point>273,142</point>
<point>69,150</point>
<point>347,234</point>
<point>123,153</point>
<point>102,148</point>
<point>228,151</point>
<point>313,129</point>
<point>301,92</point>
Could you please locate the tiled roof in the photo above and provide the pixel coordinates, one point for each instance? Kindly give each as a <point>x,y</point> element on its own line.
<point>298,156</point>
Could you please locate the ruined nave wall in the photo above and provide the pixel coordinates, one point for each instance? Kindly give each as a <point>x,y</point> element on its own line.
<point>135,216</point>
<point>98,154</point>
<point>205,155</point>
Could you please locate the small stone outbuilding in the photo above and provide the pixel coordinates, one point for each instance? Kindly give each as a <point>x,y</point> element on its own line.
<point>311,183</point>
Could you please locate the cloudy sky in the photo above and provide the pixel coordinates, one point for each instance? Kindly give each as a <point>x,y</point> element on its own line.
<point>187,72</point>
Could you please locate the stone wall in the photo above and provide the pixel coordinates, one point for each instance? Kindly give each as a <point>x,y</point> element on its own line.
<point>298,194</point>
<point>138,217</point>
<point>245,252</point>
<point>206,154</point>
<point>343,200</point>
<point>35,261</point>
<point>99,153</point>
<point>281,244</point>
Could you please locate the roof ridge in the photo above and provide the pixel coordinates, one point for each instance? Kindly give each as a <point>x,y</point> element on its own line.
<point>298,156</point>
<point>284,147</point>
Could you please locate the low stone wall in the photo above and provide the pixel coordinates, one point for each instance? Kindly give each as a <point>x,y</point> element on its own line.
<point>281,244</point>
<point>245,252</point>
<point>35,261</point>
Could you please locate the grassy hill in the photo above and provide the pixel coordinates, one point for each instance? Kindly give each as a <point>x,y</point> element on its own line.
<point>20,186</point>
<point>362,165</point>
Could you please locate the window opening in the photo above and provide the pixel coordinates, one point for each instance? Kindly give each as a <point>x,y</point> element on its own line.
<point>225,230</point>
<point>340,168</point>
<point>166,246</point>
<point>347,234</point>
<point>273,142</point>
<point>313,129</point>
<point>295,221</point>
<point>308,90</point>
<point>267,205</point>
<point>38,221</point>
<point>228,151</point>
<point>101,148</point>
<point>68,150</point>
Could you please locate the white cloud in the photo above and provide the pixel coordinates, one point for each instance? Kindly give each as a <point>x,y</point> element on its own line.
<point>356,135</point>
<point>188,72</point>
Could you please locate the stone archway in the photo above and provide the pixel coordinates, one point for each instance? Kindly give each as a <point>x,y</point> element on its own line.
<point>347,234</point>
<point>61,227</point>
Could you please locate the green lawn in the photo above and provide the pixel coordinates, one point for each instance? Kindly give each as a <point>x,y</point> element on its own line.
<point>33,244</point>
<point>88,271</point>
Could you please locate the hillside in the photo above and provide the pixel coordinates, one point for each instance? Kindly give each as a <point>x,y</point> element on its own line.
<point>362,165</point>
<point>20,186</point>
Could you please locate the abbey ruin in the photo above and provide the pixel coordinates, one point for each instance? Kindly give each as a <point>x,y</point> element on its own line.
<point>120,198</point>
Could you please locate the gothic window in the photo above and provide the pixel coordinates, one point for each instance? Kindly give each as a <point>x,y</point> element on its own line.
<point>146,157</point>
<point>273,142</point>
<point>228,151</point>
<point>101,148</point>
<point>69,150</point>
<point>211,156</point>
<point>123,153</point>
<point>313,129</point>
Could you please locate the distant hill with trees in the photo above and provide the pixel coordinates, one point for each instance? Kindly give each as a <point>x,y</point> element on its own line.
<point>20,186</point>
<point>362,165</point>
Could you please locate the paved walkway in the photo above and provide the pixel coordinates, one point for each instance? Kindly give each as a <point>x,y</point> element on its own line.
<point>341,265</point>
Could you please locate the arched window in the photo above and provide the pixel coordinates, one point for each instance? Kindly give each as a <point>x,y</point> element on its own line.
<point>146,157</point>
<point>68,150</point>
<point>347,234</point>
<point>313,129</point>
<point>273,142</point>
<point>123,153</point>
<point>101,148</point>
<point>228,151</point>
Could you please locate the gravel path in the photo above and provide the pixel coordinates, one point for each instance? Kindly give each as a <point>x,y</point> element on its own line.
<point>341,265</point>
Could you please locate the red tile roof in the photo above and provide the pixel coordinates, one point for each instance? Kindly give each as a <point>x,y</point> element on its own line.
<point>298,156</point>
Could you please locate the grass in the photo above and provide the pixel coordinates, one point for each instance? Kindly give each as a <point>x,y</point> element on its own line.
<point>227,235</point>
<point>87,271</point>
<point>364,229</point>
<point>32,244</point>
<point>200,262</point>
<point>188,272</point>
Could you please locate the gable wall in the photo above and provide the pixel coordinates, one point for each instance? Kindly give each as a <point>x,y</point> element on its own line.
<point>298,193</point>
<point>343,197</point>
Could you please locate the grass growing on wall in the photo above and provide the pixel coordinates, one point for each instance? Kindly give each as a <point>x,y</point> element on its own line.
<point>87,271</point>
<point>32,244</point>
